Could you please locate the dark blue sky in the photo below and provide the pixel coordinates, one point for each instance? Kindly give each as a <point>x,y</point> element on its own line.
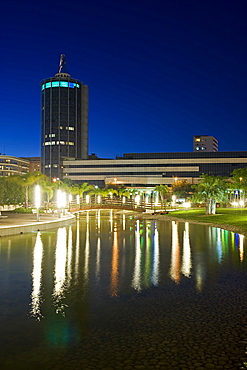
<point>159,72</point>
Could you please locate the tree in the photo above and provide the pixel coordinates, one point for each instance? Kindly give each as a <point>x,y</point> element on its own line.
<point>239,177</point>
<point>212,189</point>
<point>26,181</point>
<point>162,191</point>
<point>11,193</point>
<point>182,188</point>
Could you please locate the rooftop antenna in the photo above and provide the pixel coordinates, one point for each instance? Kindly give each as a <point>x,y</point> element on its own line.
<point>62,65</point>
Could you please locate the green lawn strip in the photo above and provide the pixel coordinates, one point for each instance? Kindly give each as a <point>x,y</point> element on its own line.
<point>236,218</point>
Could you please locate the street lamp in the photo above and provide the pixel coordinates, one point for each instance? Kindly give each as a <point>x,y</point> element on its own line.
<point>37,200</point>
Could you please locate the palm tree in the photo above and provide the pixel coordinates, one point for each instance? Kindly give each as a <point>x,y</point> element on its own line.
<point>212,189</point>
<point>27,180</point>
<point>162,191</point>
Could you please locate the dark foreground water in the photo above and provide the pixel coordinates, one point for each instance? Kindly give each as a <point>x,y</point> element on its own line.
<point>115,292</point>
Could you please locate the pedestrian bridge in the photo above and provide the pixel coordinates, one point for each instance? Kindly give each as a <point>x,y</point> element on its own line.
<point>127,204</point>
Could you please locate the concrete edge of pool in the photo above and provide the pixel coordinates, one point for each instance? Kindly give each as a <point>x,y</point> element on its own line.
<point>21,223</point>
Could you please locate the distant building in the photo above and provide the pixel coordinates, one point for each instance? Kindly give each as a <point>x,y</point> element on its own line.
<point>34,163</point>
<point>151,169</point>
<point>205,143</point>
<point>64,120</point>
<point>13,166</point>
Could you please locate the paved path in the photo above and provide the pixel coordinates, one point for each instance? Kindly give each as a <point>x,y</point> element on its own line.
<point>16,223</point>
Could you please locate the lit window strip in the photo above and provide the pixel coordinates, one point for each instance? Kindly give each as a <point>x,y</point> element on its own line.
<point>48,85</point>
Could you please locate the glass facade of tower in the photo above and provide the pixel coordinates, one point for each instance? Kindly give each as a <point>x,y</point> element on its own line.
<point>64,122</point>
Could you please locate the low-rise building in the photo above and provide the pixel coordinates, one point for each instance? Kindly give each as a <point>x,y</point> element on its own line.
<point>151,169</point>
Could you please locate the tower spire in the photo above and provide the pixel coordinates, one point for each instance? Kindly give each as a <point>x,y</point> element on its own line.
<point>62,69</point>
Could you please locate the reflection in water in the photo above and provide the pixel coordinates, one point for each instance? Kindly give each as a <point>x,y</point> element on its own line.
<point>60,268</point>
<point>69,258</point>
<point>155,273</point>
<point>145,266</point>
<point>77,250</point>
<point>175,254</point>
<point>36,277</point>
<point>219,245</point>
<point>97,270</point>
<point>136,281</point>
<point>87,252</point>
<point>186,261</point>
<point>148,255</point>
<point>241,247</point>
<point>114,264</point>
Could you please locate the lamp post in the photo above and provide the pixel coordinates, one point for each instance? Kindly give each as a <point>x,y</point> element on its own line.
<point>59,202</point>
<point>37,200</point>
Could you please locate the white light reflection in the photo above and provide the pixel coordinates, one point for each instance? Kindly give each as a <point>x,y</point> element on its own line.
<point>114,264</point>
<point>175,254</point>
<point>97,270</point>
<point>87,250</point>
<point>186,261</point>
<point>69,258</point>
<point>111,219</point>
<point>60,267</point>
<point>124,222</point>
<point>77,250</point>
<point>155,272</point>
<point>98,218</point>
<point>36,278</point>
<point>219,245</point>
<point>136,281</point>
<point>241,247</point>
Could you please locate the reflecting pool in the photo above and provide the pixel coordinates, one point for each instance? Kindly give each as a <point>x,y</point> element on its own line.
<point>113,291</point>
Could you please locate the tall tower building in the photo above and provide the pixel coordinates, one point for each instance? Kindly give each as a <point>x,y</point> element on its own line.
<point>64,120</point>
<point>205,143</point>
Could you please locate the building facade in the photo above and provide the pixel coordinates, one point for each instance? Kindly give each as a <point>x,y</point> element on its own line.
<point>205,143</point>
<point>64,120</point>
<point>13,166</point>
<point>151,169</point>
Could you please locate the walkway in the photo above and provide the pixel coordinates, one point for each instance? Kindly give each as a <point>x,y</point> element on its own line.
<point>16,223</point>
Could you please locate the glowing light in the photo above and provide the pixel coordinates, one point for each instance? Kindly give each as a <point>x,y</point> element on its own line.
<point>60,268</point>
<point>114,264</point>
<point>241,247</point>
<point>137,199</point>
<point>175,254</point>
<point>98,199</point>
<point>186,261</point>
<point>241,203</point>
<point>136,281</point>
<point>155,272</point>
<point>78,199</point>
<point>187,204</point>
<point>70,197</point>
<point>36,277</point>
<point>59,198</point>
<point>87,198</point>
<point>37,196</point>
<point>123,200</point>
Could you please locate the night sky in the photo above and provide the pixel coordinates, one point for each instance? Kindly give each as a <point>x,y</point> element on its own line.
<point>158,72</point>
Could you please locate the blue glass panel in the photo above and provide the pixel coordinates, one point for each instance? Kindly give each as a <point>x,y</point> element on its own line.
<point>55,84</point>
<point>71,84</point>
<point>43,86</point>
<point>48,84</point>
<point>64,84</point>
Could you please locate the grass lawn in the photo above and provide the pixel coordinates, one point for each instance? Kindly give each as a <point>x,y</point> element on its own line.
<point>236,218</point>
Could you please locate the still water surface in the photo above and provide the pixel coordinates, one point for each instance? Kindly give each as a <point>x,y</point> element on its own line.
<point>60,287</point>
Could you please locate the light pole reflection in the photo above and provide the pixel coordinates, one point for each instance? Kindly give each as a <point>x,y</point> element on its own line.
<point>87,251</point>
<point>36,278</point>
<point>69,258</point>
<point>136,281</point>
<point>60,268</point>
<point>175,254</point>
<point>186,261</point>
<point>155,272</point>
<point>114,264</point>
<point>241,247</point>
